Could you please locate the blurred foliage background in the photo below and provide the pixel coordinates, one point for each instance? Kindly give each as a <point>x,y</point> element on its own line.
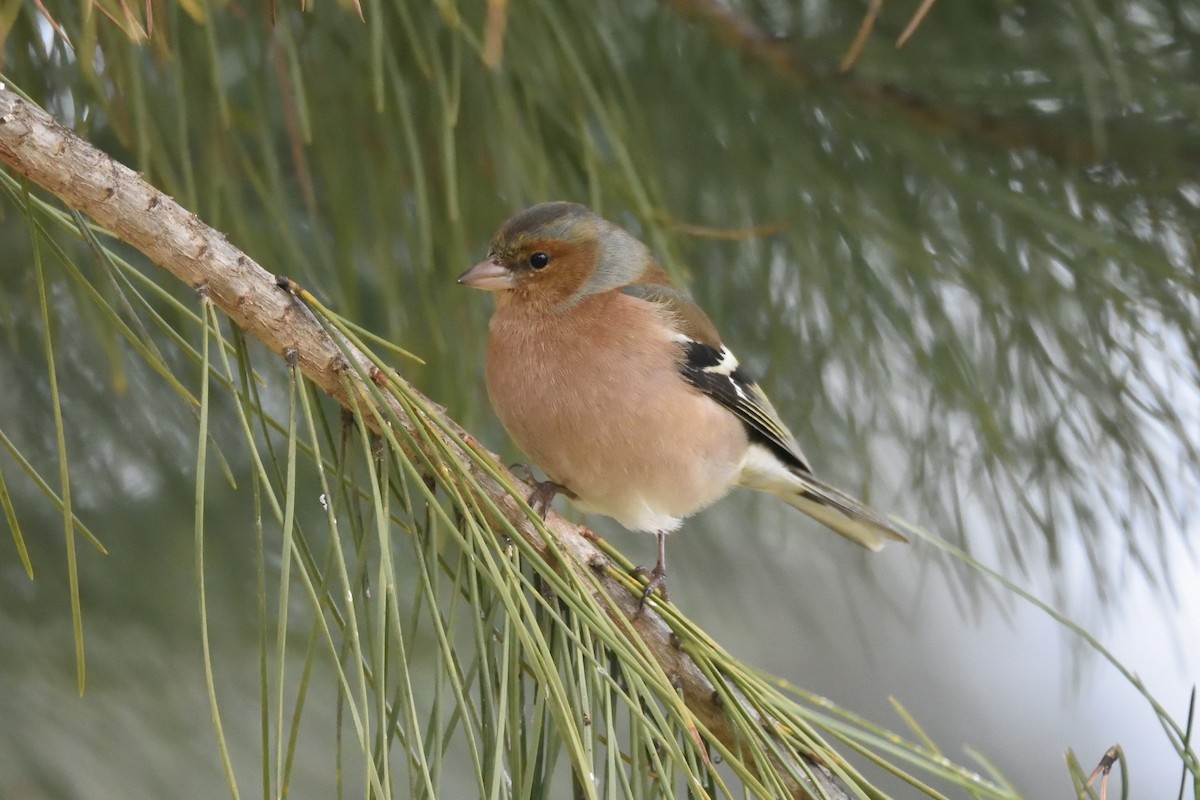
<point>964,269</point>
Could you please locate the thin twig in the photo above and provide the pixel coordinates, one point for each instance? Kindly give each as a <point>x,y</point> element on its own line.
<point>1103,768</point>
<point>915,22</point>
<point>493,33</point>
<point>860,39</point>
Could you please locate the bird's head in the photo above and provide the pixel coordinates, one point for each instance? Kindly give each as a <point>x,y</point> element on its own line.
<point>556,254</point>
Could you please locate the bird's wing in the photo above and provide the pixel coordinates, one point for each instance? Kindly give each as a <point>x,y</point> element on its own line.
<point>716,373</point>
<point>714,370</point>
<point>710,367</point>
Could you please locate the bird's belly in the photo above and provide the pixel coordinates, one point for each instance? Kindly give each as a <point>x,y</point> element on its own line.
<point>641,447</point>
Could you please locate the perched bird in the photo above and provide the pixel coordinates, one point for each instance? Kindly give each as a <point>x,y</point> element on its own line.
<point>618,387</point>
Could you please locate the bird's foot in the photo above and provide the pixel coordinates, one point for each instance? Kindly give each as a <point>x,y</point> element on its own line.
<point>543,495</point>
<point>656,581</point>
<point>656,578</point>
<point>543,491</point>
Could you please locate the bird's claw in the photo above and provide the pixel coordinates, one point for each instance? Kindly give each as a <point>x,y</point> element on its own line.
<point>543,491</point>
<point>524,472</point>
<point>543,495</point>
<point>656,580</point>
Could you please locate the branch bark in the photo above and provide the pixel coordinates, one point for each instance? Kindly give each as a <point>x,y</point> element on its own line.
<point>34,145</point>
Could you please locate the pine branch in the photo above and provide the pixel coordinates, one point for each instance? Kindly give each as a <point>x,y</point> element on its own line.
<point>36,146</point>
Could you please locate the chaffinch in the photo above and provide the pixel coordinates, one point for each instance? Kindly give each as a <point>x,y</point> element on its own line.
<point>618,387</point>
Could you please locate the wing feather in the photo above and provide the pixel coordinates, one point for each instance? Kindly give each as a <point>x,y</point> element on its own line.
<point>709,366</point>
<point>712,368</point>
<point>716,372</point>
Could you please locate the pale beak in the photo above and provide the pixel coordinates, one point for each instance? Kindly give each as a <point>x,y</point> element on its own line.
<point>488,275</point>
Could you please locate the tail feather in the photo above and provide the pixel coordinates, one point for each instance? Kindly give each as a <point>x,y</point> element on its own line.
<point>764,471</point>
<point>841,513</point>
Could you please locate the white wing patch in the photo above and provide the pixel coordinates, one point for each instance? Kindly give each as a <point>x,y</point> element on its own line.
<point>726,365</point>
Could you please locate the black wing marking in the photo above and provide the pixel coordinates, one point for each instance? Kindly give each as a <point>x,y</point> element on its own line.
<point>716,372</point>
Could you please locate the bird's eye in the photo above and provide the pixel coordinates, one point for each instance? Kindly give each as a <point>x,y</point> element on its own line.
<point>539,260</point>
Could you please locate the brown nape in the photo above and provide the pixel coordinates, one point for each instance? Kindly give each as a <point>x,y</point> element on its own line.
<point>688,318</point>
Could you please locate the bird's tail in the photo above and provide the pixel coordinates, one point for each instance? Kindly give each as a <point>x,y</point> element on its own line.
<point>840,512</point>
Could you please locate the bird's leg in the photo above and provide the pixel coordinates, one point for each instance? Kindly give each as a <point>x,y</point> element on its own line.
<point>657,576</point>
<point>543,491</point>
